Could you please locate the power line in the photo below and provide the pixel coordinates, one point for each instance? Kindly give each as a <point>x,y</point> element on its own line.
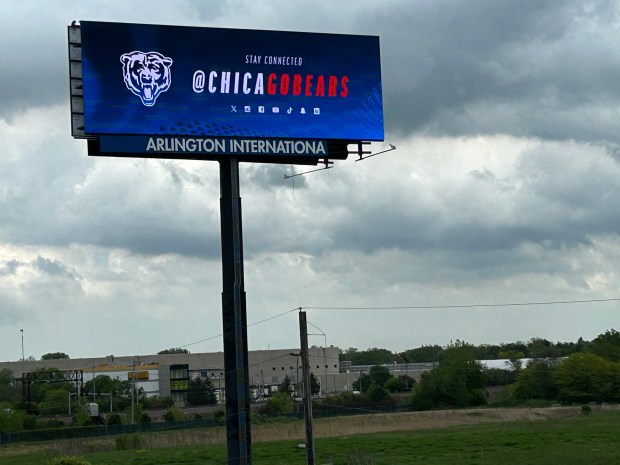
<point>431,307</point>
<point>248,326</point>
<point>274,317</point>
<point>413,307</point>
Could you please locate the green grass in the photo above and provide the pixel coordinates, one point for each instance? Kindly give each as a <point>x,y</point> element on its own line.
<point>592,439</point>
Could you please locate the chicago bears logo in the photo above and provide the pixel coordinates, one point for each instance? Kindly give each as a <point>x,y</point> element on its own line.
<point>147,75</point>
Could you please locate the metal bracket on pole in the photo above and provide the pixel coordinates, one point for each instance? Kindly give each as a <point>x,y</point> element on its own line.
<point>326,167</point>
<point>368,154</point>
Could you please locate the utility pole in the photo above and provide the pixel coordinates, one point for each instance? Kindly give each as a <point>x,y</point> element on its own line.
<point>303,333</point>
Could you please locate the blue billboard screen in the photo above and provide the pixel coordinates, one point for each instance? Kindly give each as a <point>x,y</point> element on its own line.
<point>186,81</point>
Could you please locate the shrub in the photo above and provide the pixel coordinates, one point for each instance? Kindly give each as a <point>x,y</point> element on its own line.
<point>155,402</point>
<point>220,417</point>
<point>127,441</point>
<point>50,424</point>
<point>174,414</point>
<point>144,418</point>
<point>69,460</point>
<point>81,418</point>
<point>279,402</point>
<point>11,420</point>
<point>377,393</point>
<point>114,419</point>
<point>30,422</point>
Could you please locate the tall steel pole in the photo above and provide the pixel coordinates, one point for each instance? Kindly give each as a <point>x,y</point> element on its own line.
<point>23,358</point>
<point>305,360</point>
<point>234,318</point>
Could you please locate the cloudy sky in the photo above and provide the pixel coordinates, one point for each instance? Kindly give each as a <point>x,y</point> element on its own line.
<point>503,189</point>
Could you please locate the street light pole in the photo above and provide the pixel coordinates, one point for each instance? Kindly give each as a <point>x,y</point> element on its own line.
<point>23,358</point>
<point>296,355</point>
<point>324,354</point>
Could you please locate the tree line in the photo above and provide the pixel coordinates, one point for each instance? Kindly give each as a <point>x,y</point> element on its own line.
<point>581,372</point>
<point>534,348</point>
<point>114,397</point>
<point>590,372</point>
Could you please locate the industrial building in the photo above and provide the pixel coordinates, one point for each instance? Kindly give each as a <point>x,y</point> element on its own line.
<point>169,374</point>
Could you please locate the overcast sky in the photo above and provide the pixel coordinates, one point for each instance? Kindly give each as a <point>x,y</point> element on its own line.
<point>504,188</point>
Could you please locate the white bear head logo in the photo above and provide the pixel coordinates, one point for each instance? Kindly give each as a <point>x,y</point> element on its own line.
<point>147,75</point>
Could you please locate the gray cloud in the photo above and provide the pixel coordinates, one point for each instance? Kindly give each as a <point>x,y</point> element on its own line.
<point>503,187</point>
<point>53,268</point>
<point>534,69</point>
<point>10,267</point>
<point>545,69</point>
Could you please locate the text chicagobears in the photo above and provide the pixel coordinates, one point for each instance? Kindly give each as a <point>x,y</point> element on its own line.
<point>309,85</point>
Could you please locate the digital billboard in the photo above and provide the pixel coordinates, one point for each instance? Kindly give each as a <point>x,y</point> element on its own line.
<point>196,83</point>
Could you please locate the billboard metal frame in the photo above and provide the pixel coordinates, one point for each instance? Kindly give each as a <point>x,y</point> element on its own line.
<point>234,315</point>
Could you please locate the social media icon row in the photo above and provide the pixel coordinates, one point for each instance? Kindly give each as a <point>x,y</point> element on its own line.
<point>289,110</point>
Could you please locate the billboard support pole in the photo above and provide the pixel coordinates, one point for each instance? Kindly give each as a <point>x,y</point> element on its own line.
<point>234,318</point>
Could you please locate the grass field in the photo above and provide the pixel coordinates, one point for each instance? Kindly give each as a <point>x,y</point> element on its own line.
<point>553,439</point>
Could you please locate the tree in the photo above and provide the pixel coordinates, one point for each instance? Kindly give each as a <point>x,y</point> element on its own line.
<point>173,350</point>
<point>201,392</point>
<point>514,357</point>
<point>487,352</point>
<point>120,390</point>
<point>362,383</point>
<point>286,386</point>
<point>567,348</point>
<point>536,381</point>
<point>123,395</point>
<point>315,386</point>
<point>55,401</point>
<point>55,356</point>
<point>103,383</point>
<point>457,381</point>
<point>8,391</point>
<point>377,393</point>
<point>542,348</point>
<point>518,347</point>
<point>379,375</point>
<point>584,378</point>
<point>499,377</point>
<point>373,356</point>
<point>396,384</point>
<point>54,381</point>
<point>426,353</point>
<point>607,345</point>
